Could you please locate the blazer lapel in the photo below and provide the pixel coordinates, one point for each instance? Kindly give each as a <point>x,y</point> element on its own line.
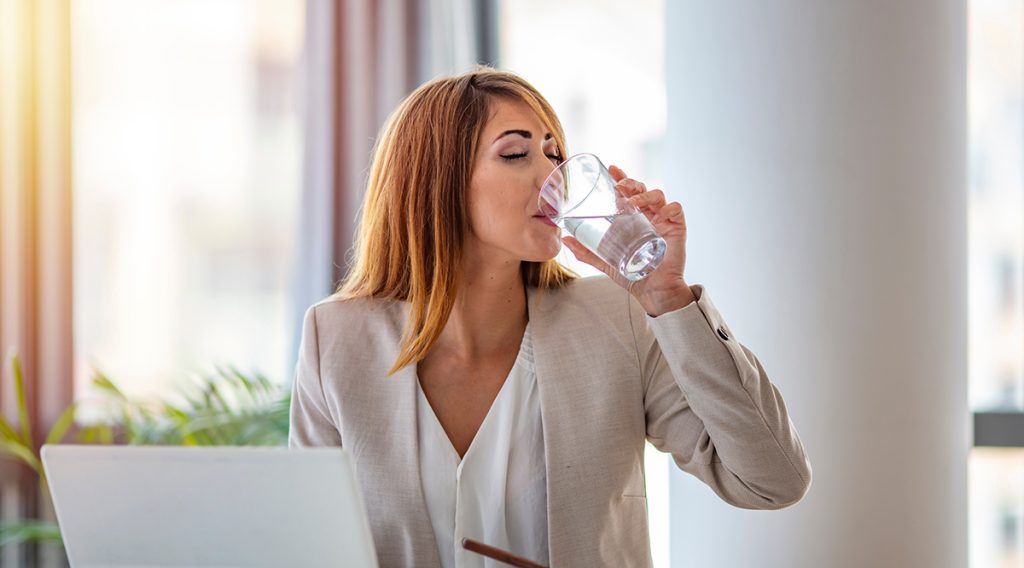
<point>400,433</point>
<point>553,360</point>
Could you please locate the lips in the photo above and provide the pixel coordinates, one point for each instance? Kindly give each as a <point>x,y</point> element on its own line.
<point>545,219</point>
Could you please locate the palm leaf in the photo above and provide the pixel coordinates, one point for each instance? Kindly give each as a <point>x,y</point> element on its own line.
<point>60,428</point>
<point>23,453</point>
<point>225,408</point>
<point>18,532</point>
<point>89,434</point>
<point>245,383</point>
<point>104,383</point>
<point>19,387</point>
<point>219,402</point>
<point>7,431</point>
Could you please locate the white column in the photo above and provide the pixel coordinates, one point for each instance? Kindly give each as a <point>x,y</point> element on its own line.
<point>818,149</point>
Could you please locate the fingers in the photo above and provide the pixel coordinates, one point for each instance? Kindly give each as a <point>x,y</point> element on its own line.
<point>654,199</point>
<point>623,183</point>
<point>583,254</point>
<point>652,202</point>
<point>672,212</point>
<point>628,187</point>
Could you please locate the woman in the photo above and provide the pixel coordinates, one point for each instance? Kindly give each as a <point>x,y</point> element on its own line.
<point>484,391</point>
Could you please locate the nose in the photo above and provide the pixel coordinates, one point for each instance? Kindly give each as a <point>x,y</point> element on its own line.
<point>548,198</point>
<point>542,170</point>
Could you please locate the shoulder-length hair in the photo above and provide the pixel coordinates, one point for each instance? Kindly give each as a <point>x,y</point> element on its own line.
<point>415,217</point>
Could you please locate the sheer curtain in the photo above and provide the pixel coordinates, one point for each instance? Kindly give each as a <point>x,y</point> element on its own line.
<point>35,238</point>
<point>362,58</point>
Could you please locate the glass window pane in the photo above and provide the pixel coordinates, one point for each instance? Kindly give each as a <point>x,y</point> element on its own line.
<point>187,169</point>
<point>996,510</point>
<point>996,204</point>
<point>996,288</point>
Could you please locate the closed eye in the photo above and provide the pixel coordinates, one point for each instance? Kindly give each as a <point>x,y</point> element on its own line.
<point>510,157</point>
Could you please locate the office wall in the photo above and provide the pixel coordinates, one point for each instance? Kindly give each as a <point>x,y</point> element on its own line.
<point>818,149</point>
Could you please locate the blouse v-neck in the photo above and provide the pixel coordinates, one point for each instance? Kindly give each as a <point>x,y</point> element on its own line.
<point>496,493</point>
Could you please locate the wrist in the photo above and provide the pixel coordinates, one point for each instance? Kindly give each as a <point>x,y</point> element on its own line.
<point>658,302</point>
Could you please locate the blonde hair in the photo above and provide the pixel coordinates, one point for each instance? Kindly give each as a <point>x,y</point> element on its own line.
<point>414,215</point>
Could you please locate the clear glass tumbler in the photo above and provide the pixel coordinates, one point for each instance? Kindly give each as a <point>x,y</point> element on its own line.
<point>580,197</point>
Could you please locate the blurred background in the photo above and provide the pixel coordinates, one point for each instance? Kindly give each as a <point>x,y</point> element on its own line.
<point>180,179</point>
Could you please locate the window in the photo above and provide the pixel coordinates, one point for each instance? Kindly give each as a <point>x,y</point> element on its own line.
<point>996,252</point>
<point>187,141</point>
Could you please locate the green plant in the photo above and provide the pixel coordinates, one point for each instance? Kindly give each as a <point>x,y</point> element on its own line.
<point>227,409</point>
<point>20,445</point>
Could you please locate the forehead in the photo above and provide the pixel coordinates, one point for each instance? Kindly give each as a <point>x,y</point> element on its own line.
<point>506,114</point>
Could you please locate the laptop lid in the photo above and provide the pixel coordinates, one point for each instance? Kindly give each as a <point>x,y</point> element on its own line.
<point>224,507</point>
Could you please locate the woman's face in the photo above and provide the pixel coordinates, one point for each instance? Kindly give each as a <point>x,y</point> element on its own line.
<point>514,156</point>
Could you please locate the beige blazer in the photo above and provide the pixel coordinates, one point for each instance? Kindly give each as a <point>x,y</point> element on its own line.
<point>609,376</point>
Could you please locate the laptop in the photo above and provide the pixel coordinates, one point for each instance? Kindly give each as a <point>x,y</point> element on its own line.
<point>208,507</point>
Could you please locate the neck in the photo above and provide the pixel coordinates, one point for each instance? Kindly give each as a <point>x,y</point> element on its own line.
<point>489,315</point>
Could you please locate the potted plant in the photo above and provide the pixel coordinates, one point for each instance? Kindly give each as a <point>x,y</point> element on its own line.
<point>226,409</point>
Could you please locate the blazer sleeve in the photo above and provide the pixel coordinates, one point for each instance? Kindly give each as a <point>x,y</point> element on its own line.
<point>309,418</point>
<point>709,402</point>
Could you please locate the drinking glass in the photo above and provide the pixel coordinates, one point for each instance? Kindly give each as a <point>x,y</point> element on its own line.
<point>580,197</point>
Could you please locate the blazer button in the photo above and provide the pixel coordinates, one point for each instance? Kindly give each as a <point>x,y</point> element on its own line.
<point>723,334</point>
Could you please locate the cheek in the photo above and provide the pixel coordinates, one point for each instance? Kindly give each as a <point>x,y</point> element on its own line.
<point>493,216</point>
<point>493,207</point>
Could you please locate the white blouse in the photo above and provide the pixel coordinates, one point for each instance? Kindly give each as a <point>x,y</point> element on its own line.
<point>497,493</point>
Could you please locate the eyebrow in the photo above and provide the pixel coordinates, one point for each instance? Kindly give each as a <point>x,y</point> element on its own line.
<point>524,133</point>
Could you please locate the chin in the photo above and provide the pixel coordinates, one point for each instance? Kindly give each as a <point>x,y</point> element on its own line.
<point>542,253</point>
<point>534,246</point>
